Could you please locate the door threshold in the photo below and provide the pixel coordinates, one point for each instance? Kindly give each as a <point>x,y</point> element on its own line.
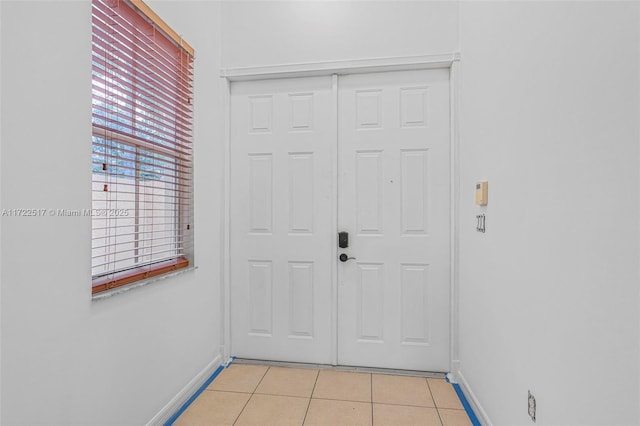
<point>391,371</point>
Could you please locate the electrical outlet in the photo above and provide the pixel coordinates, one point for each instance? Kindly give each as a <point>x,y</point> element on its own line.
<point>532,407</point>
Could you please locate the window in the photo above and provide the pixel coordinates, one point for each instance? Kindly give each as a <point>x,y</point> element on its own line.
<point>142,151</point>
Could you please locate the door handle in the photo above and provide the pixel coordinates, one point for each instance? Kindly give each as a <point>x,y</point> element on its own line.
<point>343,257</point>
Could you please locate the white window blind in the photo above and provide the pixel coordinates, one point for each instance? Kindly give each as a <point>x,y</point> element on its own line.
<point>142,205</point>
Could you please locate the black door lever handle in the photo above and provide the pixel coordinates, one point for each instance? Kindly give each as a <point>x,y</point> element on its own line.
<point>344,257</point>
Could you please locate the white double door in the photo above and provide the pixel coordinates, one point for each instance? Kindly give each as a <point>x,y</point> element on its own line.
<point>369,156</point>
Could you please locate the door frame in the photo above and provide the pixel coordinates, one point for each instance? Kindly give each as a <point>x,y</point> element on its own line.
<point>334,69</point>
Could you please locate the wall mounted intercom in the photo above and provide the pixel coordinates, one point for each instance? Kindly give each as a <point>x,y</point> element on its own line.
<point>482,193</point>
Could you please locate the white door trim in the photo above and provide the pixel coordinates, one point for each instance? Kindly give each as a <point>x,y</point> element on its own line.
<point>335,68</point>
<point>454,365</point>
<point>225,302</point>
<point>315,69</point>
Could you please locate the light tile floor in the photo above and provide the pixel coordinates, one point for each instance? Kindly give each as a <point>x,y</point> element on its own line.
<point>260,395</point>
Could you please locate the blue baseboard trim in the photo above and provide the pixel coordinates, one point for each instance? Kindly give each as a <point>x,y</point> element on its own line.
<point>196,395</point>
<point>466,405</point>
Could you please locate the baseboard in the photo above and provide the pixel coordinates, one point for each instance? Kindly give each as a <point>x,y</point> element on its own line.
<point>472,400</point>
<point>177,401</point>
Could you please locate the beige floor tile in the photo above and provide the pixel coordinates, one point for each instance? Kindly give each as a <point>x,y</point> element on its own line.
<point>404,415</point>
<point>272,410</point>
<point>338,413</point>
<point>443,394</point>
<point>401,390</point>
<point>343,385</point>
<point>239,378</point>
<point>288,382</point>
<point>454,417</point>
<point>214,408</point>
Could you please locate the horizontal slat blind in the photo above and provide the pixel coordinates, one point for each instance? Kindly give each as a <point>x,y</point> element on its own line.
<point>142,151</point>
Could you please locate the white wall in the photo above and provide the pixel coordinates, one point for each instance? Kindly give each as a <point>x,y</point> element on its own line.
<point>281,32</point>
<point>549,295</point>
<point>65,359</point>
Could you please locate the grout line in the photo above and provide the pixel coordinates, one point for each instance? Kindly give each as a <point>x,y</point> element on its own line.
<point>252,393</point>
<point>242,411</point>
<point>226,391</point>
<point>371,382</point>
<point>315,382</point>
<point>345,400</point>
<point>261,379</point>
<point>404,405</point>
<point>439,416</point>
<point>434,402</point>
<point>433,399</point>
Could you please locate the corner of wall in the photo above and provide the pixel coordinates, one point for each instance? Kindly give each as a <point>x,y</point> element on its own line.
<point>1,204</point>
<point>472,399</point>
<point>183,396</point>
<point>638,71</point>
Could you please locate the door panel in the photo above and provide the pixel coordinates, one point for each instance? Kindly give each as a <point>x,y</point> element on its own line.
<point>282,166</point>
<point>394,186</point>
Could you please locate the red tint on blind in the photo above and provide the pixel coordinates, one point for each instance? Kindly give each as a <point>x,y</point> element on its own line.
<point>142,145</point>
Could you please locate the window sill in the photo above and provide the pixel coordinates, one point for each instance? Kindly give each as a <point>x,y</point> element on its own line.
<point>142,283</point>
<point>140,273</point>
